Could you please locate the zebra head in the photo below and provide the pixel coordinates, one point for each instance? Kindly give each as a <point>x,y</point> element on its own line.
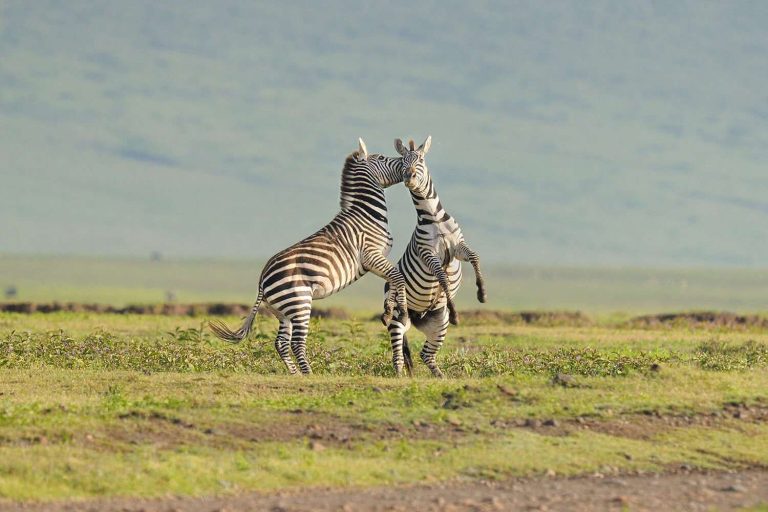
<point>365,176</point>
<point>415,172</point>
<point>386,170</point>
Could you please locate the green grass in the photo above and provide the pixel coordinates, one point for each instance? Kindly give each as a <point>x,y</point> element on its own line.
<point>161,408</point>
<point>201,470</point>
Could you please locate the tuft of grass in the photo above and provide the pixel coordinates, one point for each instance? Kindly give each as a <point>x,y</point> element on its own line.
<point>723,356</point>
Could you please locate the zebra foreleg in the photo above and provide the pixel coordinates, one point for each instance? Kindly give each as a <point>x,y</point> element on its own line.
<point>300,327</point>
<point>377,263</point>
<point>283,344</point>
<point>465,253</point>
<point>435,327</point>
<point>389,305</point>
<point>436,267</point>
<point>397,330</point>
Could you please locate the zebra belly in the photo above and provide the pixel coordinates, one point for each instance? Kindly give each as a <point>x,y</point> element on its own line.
<point>427,295</point>
<point>339,281</point>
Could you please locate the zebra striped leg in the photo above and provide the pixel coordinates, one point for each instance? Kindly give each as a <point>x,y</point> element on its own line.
<point>397,330</point>
<point>407,356</point>
<point>389,305</point>
<point>465,253</point>
<point>377,263</point>
<point>436,267</point>
<point>398,281</point>
<point>435,327</point>
<point>300,326</point>
<point>283,344</point>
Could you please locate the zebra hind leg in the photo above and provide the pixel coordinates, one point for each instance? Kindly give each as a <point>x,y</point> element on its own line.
<point>407,356</point>
<point>397,329</point>
<point>283,345</point>
<point>435,327</point>
<point>300,326</point>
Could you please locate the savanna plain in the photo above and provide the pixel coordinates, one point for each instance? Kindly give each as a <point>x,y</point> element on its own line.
<point>131,412</point>
<point>547,410</point>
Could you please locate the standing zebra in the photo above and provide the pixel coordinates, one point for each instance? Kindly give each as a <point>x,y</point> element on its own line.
<point>431,266</point>
<point>356,241</point>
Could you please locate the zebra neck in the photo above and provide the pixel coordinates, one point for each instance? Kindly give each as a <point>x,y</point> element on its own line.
<point>361,193</point>
<point>429,210</point>
<point>365,197</point>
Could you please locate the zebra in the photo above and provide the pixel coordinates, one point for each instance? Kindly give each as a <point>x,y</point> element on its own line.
<point>356,241</point>
<point>431,266</point>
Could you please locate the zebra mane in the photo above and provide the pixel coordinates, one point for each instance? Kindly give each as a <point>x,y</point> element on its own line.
<point>353,173</point>
<point>351,164</point>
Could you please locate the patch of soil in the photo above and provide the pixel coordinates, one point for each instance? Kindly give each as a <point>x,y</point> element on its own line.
<point>681,491</point>
<point>166,432</point>
<point>699,319</point>
<point>645,426</point>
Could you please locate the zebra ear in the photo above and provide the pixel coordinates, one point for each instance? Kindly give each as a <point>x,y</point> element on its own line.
<point>425,147</point>
<point>399,147</point>
<point>362,151</point>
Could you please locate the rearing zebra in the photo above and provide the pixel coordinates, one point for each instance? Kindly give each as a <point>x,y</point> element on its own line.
<point>356,241</point>
<point>431,266</point>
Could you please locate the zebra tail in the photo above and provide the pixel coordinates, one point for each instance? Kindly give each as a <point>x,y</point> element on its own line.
<point>223,332</point>
<point>407,356</point>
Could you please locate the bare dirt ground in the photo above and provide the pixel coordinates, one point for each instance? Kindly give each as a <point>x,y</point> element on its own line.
<point>677,491</point>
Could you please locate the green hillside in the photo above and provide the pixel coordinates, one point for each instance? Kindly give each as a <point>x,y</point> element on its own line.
<point>575,133</point>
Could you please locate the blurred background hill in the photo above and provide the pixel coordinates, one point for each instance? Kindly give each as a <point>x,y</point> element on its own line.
<point>585,134</point>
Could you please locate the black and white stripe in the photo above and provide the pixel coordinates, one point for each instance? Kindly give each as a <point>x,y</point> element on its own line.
<point>431,266</point>
<point>356,241</point>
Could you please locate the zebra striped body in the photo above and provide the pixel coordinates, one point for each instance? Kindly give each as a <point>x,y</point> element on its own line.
<point>356,241</point>
<point>441,239</point>
<point>431,266</point>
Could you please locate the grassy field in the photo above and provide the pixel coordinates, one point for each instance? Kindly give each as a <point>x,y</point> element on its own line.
<point>109,405</point>
<point>604,290</point>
